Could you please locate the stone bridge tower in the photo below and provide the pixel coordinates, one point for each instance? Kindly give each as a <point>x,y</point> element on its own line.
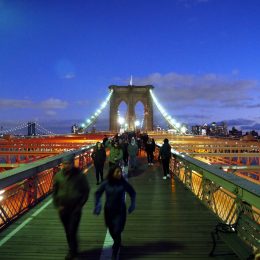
<point>131,95</point>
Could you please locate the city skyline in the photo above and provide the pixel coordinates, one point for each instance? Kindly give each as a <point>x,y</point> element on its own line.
<point>57,58</point>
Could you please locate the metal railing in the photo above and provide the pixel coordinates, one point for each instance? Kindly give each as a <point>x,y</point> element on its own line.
<point>24,187</point>
<point>225,194</point>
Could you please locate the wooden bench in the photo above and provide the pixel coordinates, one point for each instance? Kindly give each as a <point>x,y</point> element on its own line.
<point>243,237</point>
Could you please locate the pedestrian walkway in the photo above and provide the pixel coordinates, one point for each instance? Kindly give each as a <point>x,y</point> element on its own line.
<point>169,223</point>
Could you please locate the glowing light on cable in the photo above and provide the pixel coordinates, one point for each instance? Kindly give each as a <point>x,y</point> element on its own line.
<point>171,121</point>
<point>94,117</point>
<point>183,129</point>
<point>44,130</point>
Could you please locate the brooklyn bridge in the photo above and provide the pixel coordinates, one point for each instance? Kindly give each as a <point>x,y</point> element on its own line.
<point>213,188</point>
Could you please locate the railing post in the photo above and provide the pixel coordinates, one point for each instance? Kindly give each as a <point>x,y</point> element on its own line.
<point>208,190</point>
<point>31,191</point>
<point>188,177</point>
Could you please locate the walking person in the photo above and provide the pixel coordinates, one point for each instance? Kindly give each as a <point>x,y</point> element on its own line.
<point>165,156</point>
<point>132,151</point>
<point>116,153</point>
<point>104,140</point>
<point>139,144</point>
<point>125,151</point>
<point>70,193</point>
<point>115,187</point>
<point>150,148</point>
<point>99,158</point>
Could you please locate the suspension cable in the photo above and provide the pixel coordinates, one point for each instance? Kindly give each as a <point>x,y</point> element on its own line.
<point>40,128</point>
<point>94,117</point>
<point>171,121</point>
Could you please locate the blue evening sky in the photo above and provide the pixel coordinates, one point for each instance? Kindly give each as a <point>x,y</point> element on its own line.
<point>58,57</point>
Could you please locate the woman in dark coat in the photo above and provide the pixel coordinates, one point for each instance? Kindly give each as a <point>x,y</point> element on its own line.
<point>99,158</point>
<point>115,187</point>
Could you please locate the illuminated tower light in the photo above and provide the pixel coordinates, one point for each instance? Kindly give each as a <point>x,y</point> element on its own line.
<point>183,129</point>
<point>178,124</point>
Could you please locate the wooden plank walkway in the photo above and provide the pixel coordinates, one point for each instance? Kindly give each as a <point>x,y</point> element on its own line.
<point>168,223</point>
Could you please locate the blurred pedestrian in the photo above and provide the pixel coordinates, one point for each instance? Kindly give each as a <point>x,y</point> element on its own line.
<point>165,156</point>
<point>115,187</point>
<point>104,140</point>
<point>116,153</point>
<point>139,144</point>
<point>150,148</point>
<point>70,193</point>
<point>99,158</point>
<point>125,151</point>
<point>133,152</point>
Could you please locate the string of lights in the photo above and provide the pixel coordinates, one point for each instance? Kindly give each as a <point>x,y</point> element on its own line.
<point>94,117</point>
<point>171,121</point>
<point>44,130</point>
<point>11,130</point>
<point>25,126</point>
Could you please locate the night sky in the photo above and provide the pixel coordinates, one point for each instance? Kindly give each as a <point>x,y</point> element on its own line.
<point>58,57</point>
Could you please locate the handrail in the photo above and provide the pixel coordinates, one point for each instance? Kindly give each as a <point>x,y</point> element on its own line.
<point>16,175</point>
<point>23,187</point>
<point>246,190</point>
<point>224,193</point>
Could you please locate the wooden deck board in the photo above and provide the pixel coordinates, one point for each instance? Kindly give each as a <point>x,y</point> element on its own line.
<point>168,223</point>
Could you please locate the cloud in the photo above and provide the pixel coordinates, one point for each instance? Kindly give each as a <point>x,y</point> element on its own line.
<point>255,127</point>
<point>50,103</point>
<point>15,103</point>
<point>51,113</point>
<point>53,103</point>
<point>240,122</point>
<point>253,106</point>
<point>187,90</point>
<point>193,116</point>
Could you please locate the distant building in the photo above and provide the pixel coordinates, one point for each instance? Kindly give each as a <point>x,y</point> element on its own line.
<point>253,133</point>
<point>250,136</point>
<point>31,129</point>
<point>196,130</point>
<point>213,129</point>
<point>218,129</point>
<point>74,129</point>
<point>235,133</point>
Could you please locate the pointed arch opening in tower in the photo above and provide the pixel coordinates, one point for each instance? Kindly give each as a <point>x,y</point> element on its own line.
<point>139,116</point>
<point>122,116</point>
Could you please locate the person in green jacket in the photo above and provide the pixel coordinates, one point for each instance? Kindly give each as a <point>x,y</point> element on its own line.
<point>70,193</point>
<point>116,153</point>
